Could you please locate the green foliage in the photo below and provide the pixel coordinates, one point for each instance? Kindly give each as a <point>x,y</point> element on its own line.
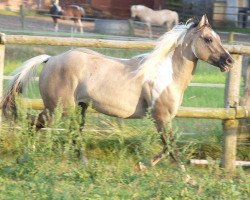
<point>44,165</point>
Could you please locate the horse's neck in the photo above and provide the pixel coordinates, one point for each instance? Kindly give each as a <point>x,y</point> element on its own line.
<point>183,69</point>
<point>145,13</point>
<point>173,71</point>
<point>175,67</point>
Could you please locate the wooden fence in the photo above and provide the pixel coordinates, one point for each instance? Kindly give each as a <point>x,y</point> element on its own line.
<point>230,114</point>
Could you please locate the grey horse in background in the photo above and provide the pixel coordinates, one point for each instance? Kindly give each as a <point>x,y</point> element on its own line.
<point>151,17</point>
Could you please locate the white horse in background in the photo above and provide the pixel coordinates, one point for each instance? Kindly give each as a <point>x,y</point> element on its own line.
<point>150,17</point>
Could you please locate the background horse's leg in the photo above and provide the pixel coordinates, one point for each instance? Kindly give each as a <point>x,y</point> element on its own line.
<point>149,29</point>
<point>56,27</point>
<point>55,24</point>
<point>80,25</point>
<point>167,26</point>
<point>74,26</point>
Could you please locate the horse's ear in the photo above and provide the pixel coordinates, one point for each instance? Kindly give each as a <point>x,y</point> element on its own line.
<point>203,22</point>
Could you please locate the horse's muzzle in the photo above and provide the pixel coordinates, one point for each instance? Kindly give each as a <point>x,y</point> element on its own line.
<point>226,63</point>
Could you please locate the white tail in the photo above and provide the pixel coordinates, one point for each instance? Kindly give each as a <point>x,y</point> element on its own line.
<point>21,78</point>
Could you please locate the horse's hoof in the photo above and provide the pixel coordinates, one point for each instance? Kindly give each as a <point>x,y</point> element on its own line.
<point>139,167</point>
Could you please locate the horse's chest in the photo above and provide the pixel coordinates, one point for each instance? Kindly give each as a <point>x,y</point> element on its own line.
<point>165,95</point>
<point>167,104</point>
<point>163,79</point>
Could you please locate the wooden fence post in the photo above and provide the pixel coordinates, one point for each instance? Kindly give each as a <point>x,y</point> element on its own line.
<point>244,124</point>
<point>230,38</point>
<point>131,27</point>
<point>22,15</point>
<point>2,53</point>
<point>230,127</point>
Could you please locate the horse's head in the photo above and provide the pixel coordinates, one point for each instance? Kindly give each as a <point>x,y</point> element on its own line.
<point>136,9</point>
<point>206,45</point>
<point>133,11</point>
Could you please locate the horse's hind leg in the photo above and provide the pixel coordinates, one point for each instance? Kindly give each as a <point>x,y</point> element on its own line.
<point>84,107</point>
<point>43,118</point>
<point>78,147</point>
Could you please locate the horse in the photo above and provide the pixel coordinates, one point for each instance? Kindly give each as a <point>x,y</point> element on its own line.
<point>69,12</point>
<point>126,88</point>
<point>152,17</point>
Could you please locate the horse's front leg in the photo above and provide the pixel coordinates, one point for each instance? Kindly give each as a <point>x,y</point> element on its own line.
<point>161,129</point>
<point>166,135</point>
<point>55,24</point>
<point>80,25</point>
<point>167,26</point>
<point>149,29</point>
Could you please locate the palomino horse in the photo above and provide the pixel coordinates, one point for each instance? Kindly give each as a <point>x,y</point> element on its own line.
<point>126,88</point>
<point>153,17</point>
<point>69,12</point>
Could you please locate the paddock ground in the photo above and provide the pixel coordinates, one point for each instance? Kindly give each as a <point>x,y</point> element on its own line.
<point>45,24</point>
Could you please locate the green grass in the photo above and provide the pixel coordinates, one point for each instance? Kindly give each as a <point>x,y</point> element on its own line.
<point>43,165</point>
<point>206,73</point>
<point>233,29</point>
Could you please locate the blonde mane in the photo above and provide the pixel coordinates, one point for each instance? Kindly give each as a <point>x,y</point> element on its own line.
<point>165,45</point>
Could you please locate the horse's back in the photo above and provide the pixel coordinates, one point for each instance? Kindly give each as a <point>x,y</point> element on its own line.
<point>166,15</point>
<point>74,10</point>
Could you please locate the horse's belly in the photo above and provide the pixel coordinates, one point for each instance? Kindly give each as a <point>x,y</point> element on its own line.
<point>118,111</point>
<point>114,103</point>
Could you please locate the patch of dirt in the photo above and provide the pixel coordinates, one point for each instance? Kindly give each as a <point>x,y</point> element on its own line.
<point>39,24</point>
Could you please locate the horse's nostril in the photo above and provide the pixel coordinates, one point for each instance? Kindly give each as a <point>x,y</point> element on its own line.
<point>229,61</point>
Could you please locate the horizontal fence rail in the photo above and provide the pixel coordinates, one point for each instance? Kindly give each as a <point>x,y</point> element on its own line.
<point>184,112</point>
<point>98,43</point>
<point>211,85</point>
<point>78,42</point>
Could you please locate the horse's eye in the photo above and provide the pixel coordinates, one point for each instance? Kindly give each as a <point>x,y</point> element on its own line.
<point>208,40</point>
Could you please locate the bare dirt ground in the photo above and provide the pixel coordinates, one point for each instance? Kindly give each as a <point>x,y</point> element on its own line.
<point>39,24</point>
<point>45,24</point>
